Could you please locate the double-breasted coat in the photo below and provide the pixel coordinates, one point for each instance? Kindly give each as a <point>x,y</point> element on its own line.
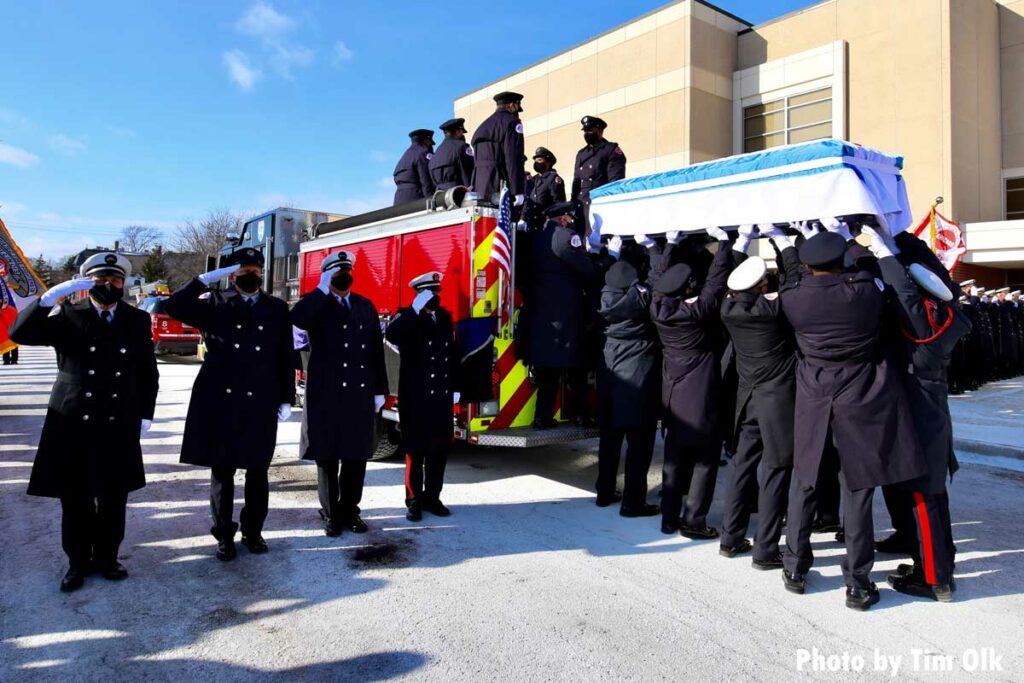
<point>345,371</point>
<point>428,374</point>
<point>106,385</point>
<point>847,385</point>
<point>596,165</point>
<point>451,164</point>
<point>412,175</point>
<point>248,372</point>
<point>498,147</point>
<point>546,190</point>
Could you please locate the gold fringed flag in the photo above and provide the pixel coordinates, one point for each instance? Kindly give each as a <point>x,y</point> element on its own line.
<point>19,284</point>
<point>944,237</point>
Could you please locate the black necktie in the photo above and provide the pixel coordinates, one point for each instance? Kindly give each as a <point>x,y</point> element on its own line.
<point>250,302</point>
<point>107,316</point>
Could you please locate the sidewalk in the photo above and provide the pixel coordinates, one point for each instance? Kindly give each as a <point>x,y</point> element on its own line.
<point>990,421</point>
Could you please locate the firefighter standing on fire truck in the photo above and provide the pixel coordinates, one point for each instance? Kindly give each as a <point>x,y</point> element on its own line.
<point>498,147</point>
<point>428,381</point>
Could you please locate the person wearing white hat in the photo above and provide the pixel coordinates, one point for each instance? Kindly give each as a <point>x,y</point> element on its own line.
<point>428,386</point>
<point>346,385</point>
<point>89,452</point>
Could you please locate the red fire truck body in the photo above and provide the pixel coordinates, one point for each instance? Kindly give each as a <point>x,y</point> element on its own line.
<point>456,242</point>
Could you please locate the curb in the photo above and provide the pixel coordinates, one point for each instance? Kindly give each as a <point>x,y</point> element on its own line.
<point>986,448</point>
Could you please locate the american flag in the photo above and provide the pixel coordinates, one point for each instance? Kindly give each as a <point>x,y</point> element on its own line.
<point>501,247</point>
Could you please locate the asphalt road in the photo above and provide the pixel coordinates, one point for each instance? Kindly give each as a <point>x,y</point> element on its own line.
<point>528,580</point>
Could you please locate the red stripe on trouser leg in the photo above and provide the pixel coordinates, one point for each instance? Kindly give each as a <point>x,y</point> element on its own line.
<point>408,472</point>
<point>924,530</point>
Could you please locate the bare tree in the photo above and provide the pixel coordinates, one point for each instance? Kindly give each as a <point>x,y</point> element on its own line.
<point>197,239</point>
<point>139,238</point>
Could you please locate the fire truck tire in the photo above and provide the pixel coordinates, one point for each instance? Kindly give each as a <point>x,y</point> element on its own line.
<point>387,440</point>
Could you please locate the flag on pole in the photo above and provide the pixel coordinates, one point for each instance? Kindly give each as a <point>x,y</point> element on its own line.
<point>501,247</point>
<point>944,237</point>
<point>19,285</point>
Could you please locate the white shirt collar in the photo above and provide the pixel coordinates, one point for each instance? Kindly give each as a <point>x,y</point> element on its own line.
<point>99,311</point>
<point>343,298</point>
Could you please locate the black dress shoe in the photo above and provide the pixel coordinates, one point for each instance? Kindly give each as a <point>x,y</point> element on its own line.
<point>583,422</point>
<point>604,501</point>
<point>356,525</point>
<point>670,527</point>
<point>544,424</point>
<point>861,598</point>
<point>226,550</point>
<point>841,535</point>
<point>914,584</point>
<point>774,562</point>
<point>414,511</point>
<point>731,551</point>
<point>895,544</point>
<point>795,583</point>
<point>825,527</point>
<point>113,571</point>
<point>436,508</point>
<point>645,510</point>
<point>255,544</point>
<point>699,533</point>
<point>73,580</point>
<point>332,529</point>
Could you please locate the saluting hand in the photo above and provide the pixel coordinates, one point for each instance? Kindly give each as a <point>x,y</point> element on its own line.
<point>218,274</point>
<point>58,292</point>
<point>325,281</point>
<point>421,300</point>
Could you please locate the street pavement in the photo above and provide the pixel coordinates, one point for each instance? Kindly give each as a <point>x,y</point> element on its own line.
<point>526,581</point>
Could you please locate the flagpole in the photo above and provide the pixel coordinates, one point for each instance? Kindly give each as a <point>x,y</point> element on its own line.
<point>932,231</point>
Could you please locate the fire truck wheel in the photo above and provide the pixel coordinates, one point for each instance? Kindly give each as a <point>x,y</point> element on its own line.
<point>388,440</point>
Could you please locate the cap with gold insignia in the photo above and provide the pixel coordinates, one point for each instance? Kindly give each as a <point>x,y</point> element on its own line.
<point>106,263</point>
<point>452,124</point>
<point>545,153</point>
<point>588,122</point>
<point>748,274</point>
<point>343,260</point>
<point>509,97</point>
<point>426,281</point>
<point>930,282</point>
<point>968,283</point>
<point>246,257</point>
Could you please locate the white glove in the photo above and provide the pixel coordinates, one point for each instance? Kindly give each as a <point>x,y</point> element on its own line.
<point>718,234</point>
<point>420,301</point>
<point>456,398</point>
<point>615,246</point>
<point>325,281</point>
<point>878,246</point>
<point>146,426</point>
<point>519,200</point>
<point>378,402</point>
<point>975,291</point>
<point>745,235</point>
<point>58,292</point>
<point>984,299</point>
<point>644,241</point>
<point>804,228</point>
<point>219,274</point>
<point>521,226</point>
<point>837,226</point>
<point>674,236</point>
<point>284,412</point>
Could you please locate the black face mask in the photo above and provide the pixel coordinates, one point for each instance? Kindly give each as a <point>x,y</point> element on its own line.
<point>248,283</point>
<point>591,138</point>
<point>342,281</point>
<point>540,167</point>
<point>107,293</point>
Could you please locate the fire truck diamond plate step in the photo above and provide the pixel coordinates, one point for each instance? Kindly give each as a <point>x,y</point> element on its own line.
<point>528,437</point>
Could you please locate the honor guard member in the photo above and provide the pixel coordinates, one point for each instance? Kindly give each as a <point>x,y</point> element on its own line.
<point>89,453</point>
<point>428,382</point>
<point>345,387</point>
<point>931,328</point>
<point>598,163</point>
<point>412,174</point>
<point>562,271</point>
<point>498,149</point>
<point>850,393</point>
<point>245,385</point>
<point>452,164</point>
<point>548,188</point>
<point>765,353</point>
<point>686,317</point>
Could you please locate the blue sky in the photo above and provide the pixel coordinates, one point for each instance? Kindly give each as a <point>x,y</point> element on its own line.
<point>121,112</point>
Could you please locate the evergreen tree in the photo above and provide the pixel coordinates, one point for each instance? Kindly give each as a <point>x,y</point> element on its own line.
<point>155,268</point>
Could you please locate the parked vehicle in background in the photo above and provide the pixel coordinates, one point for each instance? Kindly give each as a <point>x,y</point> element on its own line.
<point>169,335</point>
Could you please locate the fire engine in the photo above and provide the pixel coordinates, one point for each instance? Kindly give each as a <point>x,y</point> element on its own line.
<point>450,233</point>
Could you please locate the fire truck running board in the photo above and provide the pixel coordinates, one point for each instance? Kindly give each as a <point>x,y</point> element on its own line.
<point>528,437</point>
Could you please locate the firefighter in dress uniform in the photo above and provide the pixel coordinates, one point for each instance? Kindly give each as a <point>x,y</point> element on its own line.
<point>89,452</point>
<point>345,389</point>
<point>498,148</point>
<point>412,173</point>
<point>428,383</point>
<point>548,189</point>
<point>245,385</point>
<point>598,163</point>
<point>451,165</point>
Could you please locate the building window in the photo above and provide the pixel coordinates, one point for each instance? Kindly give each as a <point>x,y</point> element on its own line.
<point>1015,199</point>
<point>797,118</point>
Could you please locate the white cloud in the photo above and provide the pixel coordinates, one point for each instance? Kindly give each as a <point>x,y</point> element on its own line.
<point>120,131</point>
<point>342,52</point>
<point>12,117</point>
<point>386,183</point>
<point>16,156</point>
<point>263,21</point>
<point>66,145</point>
<point>284,59</point>
<point>240,70</point>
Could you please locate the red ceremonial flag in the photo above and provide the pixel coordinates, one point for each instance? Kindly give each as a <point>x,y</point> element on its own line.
<point>944,237</point>
<point>19,285</point>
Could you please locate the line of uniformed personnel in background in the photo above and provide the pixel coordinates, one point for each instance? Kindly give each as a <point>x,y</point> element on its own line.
<point>994,348</point>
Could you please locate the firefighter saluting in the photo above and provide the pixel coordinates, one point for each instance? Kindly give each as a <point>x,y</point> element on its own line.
<point>89,454</point>
<point>428,381</point>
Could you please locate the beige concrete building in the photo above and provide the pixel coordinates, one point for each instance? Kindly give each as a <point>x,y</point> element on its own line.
<point>940,82</point>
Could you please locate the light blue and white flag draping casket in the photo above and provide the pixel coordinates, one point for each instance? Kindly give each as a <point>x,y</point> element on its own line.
<point>800,182</point>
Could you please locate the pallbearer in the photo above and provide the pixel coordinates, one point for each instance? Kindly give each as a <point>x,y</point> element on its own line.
<point>428,382</point>
<point>245,385</point>
<point>89,454</point>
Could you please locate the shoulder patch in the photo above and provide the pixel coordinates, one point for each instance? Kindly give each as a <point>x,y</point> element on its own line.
<point>468,150</point>
<point>519,128</point>
<point>576,242</point>
<point>691,300</point>
<point>617,150</point>
<point>429,156</point>
<point>880,285</point>
<point>558,180</point>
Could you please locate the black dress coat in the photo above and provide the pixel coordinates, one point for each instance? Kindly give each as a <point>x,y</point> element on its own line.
<point>498,147</point>
<point>451,164</point>
<point>106,385</point>
<point>346,370</point>
<point>428,374</point>
<point>597,165</point>
<point>688,331</point>
<point>847,386</point>
<point>629,376</point>
<point>765,352</point>
<point>248,372</point>
<point>412,175</point>
<point>546,190</point>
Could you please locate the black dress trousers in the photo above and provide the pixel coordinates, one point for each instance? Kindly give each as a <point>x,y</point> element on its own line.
<point>92,529</point>
<point>340,485</point>
<point>222,499</point>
